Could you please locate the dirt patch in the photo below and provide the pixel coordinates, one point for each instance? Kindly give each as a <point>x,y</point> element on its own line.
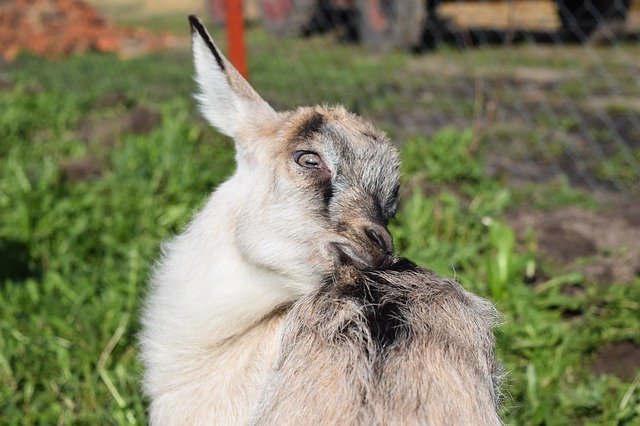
<point>565,244</point>
<point>614,103</point>
<point>601,166</point>
<point>103,130</point>
<point>618,359</point>
<point>604,246</point>
<point>142,120</point>
<point>557,113</point>
<point>6,85</point>
<point>519,171</point>
<point>54,28</point>
<point>114,98</point>
<point>82,169</point>
<point>542,76</point>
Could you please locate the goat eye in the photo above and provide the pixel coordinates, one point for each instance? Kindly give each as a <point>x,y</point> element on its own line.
<point>307,159</point>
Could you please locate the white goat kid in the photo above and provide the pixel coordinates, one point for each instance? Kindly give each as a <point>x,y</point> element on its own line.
<point>313,187</point>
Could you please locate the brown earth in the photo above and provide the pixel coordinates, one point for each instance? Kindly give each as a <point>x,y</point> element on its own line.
<point>618,359</point>
<point>104,129</point>
<point>82,169</point>
<point>604,246</point>
<point>101,133</point>
<point>54,28</point>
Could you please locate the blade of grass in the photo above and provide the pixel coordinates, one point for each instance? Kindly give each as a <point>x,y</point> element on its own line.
<point>104,356</point>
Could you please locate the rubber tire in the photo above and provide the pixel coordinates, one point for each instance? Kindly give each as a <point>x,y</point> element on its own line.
<point>580,18</point>
<point>294,21</point>
<point>405,21</point>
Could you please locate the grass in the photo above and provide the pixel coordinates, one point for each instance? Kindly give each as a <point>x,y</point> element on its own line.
<point>75,254</point>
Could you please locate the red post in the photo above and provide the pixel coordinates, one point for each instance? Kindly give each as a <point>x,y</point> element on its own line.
<point>235,36</point>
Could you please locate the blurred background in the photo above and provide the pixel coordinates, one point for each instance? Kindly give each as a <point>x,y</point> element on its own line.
<point>519,126</point>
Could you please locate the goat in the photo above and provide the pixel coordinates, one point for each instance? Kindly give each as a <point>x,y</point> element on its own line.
<point>314,189</point>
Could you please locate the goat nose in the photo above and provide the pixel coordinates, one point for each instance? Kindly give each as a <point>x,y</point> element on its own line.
<point>380,237</point>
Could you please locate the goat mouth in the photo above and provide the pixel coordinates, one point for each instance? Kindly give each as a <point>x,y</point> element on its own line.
<point>347,255</point>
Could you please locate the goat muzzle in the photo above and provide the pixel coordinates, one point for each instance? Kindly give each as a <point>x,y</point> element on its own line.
<point>377,251</point>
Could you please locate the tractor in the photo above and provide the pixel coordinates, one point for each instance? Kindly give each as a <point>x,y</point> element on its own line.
<point>388,24</point>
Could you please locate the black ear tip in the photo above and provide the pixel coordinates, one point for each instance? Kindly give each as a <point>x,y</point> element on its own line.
<point>194,22</point>
<point>198,27</point>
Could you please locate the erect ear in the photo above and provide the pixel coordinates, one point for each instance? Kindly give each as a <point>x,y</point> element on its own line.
<point>226,99</point>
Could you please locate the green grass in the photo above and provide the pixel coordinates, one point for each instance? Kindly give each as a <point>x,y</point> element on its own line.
<point>75,255</point>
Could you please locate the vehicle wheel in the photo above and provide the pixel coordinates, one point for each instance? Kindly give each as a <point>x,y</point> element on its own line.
<point>580,18</point>
<point>287,17</point>
<point>388,24</point>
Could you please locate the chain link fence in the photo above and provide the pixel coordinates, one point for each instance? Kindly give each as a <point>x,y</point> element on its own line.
<point>550,88</point>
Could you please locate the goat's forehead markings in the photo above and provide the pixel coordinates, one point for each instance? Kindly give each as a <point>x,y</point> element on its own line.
<point>305,125</point>
<point>368,166</point>
<point>311,125</point>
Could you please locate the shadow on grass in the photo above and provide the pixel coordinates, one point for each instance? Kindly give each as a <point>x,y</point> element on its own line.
<point>15,262</point>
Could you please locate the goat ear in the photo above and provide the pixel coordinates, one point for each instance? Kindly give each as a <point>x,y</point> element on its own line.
<point>226,99</point>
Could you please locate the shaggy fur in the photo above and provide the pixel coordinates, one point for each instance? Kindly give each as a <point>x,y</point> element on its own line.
<point>400,345</point>
<point>267,237</point>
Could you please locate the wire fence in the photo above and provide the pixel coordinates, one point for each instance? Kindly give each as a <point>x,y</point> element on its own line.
<point>550,87</point>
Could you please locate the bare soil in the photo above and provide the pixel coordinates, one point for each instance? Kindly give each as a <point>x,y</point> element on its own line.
<point>106,127</point>
<point>604,246</point>
<point>101,132</point>
<point>618,359</point>
<point>82,169</point>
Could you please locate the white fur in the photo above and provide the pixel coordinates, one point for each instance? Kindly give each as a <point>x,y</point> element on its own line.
<point>203,344</point>
<point>218,104</point>
<point>199,337</point>
<point>224,108</point>
<point>211,326</point>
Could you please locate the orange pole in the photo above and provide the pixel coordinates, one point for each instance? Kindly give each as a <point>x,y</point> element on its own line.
<point>235,36</point>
